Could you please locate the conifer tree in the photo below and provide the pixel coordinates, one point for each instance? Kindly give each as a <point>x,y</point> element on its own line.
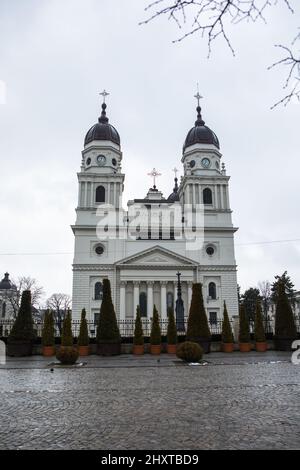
<point>107,330</point>
<point>23,326</point>
<point>227,336</point>
<point>197,321</point>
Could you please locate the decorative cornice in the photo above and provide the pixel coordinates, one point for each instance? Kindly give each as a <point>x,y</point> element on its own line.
<point>96,267</point>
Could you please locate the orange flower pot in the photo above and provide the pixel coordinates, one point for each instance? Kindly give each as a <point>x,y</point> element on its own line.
<point>138,349</point>
<point>171,348</point>
<point>227,347</point>
<point>155,349</point>
<point>261,346</point>
<point>245,347</point>
<point>48,351</point>
<point>83,350</point>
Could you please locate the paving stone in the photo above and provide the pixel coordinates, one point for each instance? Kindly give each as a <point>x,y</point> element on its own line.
<point>235,402</point>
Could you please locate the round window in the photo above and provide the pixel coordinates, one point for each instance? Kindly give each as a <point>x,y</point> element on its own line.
<point>88,161</point>
<point>114,162</point>
<point>99,249</point>
<point>192,163</point>
<point>210,250</point>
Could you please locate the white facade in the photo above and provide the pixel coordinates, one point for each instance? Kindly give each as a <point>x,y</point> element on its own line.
<point>141,266</point>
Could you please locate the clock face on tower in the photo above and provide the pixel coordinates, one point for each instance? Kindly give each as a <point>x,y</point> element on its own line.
<point>101,160</point>
<point>205,162</point>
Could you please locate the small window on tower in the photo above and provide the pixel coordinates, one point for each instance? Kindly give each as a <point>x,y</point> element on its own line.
<point>100,194</point>
<point>114,162</point>
<point>207,196</point>
<point>88,161</point>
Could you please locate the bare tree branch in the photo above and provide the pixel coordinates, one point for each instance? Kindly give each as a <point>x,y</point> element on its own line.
<point>213,18</point>
<point>26,283</point>
<point>293,64</point>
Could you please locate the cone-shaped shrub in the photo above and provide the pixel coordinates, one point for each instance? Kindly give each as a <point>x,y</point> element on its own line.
<point>155,337</point>
<point>284,319</point>
<point>83,338</point>
<point>227,336</point>
<point>259,332</point>
<point>172,331</point>
<point>66,334</point>
<point>48,329</point>
<point>138,338</point>
<point>244,333</point>
<point>108,330</point>
<point>197,321</point>
<point>23,327</point>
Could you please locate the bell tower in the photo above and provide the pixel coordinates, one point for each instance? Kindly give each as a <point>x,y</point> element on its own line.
<point>100,178</point>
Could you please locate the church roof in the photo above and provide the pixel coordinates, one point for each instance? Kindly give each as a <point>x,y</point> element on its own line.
<point>102,130</point>
<point>200,134</point>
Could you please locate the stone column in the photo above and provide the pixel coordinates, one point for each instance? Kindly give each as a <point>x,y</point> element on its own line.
<point>136,296</point>
<point>122,300</point>
<point>163,299</point>
<point>190,291</point>
<point>150,299</point>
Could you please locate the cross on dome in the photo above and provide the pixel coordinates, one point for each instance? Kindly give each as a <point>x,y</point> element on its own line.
<point>104,93</point>
<point>154,173</point>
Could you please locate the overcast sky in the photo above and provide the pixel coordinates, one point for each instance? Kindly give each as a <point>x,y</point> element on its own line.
<point>56,55</point>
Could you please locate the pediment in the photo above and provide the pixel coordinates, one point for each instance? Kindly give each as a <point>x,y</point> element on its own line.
<point>156,256</point>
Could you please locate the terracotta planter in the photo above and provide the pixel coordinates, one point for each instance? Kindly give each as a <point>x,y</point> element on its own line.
<point>109,349</point>
<point>138,349</point>
<point>155,349</point>
<point>282,343</point>
<point>227,347</point>
<point>261,346</point>
<point>245,347</point>
<point>19,348</point>
<point>83,350</point>
<point>48,351</point>
<point>171,348</point>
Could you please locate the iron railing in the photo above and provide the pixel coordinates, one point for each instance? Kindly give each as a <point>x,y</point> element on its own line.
<point>127,327</point>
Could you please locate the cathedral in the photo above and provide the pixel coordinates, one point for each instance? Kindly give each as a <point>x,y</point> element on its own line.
<point>141,249</point>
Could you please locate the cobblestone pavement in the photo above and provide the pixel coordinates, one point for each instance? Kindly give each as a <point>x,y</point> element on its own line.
<point>236,401</point>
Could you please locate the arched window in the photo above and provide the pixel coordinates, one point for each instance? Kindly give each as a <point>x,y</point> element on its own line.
<point>170,300</point>
<point>100,194</point>
<point>98,291</point>
<point>3,309</point>
<point>143,304</point>
<point>212,290</point>
<point>207,196</point>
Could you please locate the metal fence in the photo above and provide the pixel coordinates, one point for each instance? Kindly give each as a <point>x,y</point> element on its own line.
<point>127,327</point>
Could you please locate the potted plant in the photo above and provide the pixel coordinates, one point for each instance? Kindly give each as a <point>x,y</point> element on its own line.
<point>285,328</point>
<point>171,333</point>
<point>259,332</point>
<point>22,334</point>
<point>108,334</point>
<point>155,336</point>
<point>48,340</point>
<point>189,351</point>
<point>244,333</point>
<point>83,338</point>
<point>227,336</point>
<point>138,339</point>
<point>67,353</point>
<point>197,328</point>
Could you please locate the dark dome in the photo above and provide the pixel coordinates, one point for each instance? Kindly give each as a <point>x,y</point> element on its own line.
<point>102,130</point>
<point>200,134</point>
<point>174,196</point>
<point>5,283</point>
